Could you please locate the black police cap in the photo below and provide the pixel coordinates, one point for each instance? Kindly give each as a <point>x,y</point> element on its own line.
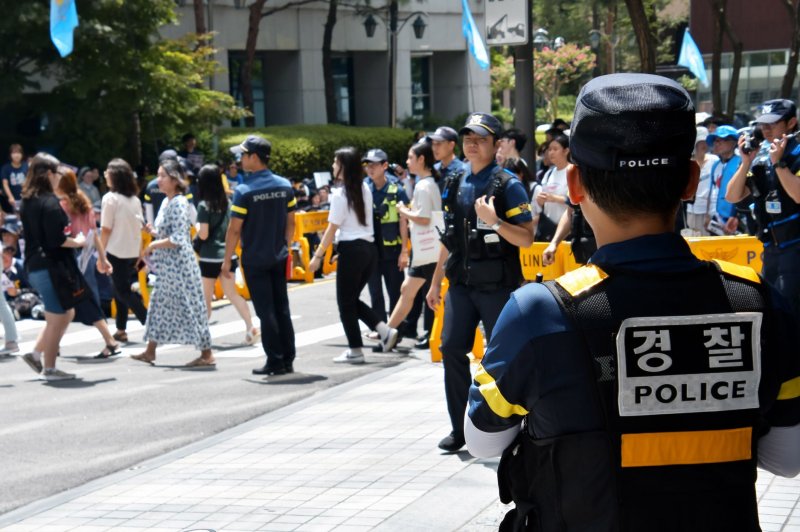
<point>254,144</point>
<point>483,124</point>
<point>632,122</point>
<point>771,111</point>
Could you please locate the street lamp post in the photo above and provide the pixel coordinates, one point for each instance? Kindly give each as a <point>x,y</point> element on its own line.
<point>394,25</point>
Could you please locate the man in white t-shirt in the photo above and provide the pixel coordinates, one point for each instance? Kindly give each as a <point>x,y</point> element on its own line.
<point>699,212</point>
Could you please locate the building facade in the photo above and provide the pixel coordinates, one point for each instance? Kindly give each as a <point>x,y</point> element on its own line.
<point>436,74</point>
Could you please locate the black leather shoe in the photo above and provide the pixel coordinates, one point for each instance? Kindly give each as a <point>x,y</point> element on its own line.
<point>266,370</point>
<point>422,344</point>
<point>289,368</point>
<point>452,442</point>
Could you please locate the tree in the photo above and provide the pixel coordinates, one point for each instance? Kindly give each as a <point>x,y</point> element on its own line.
<point>793,11</point>
<point>723,29</point>
<point>327,62</point>
<point>554,68</point>
<point>645,35</point>
<point>199,17</point>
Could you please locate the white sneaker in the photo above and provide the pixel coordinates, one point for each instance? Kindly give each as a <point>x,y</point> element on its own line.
<point>55,374</point>
<point>350,358</point>
<point>252,336</point>
<point>10,347</point>
<point>390,340</point>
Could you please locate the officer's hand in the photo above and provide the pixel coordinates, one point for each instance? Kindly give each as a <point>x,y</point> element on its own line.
<point>549,255</point>
<point>485,210</point>
<point>226,269</point>
<point>433,298</point>
<point>777,148</point>
<point>747,158</point>
<point>731,225</point>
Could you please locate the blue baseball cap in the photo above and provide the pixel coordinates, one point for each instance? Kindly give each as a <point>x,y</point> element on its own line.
<point>723,132</point>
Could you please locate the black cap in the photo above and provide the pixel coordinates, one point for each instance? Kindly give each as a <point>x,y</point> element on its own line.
<point>254,144</point>
<point>444,133</point>
<point>375,155</point>
<point>483,124</point>
<point>168,155</point>
<point>771,111</point>
<point>632,122</point>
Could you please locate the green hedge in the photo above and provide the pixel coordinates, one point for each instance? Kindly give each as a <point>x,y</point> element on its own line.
<point>300,150</point>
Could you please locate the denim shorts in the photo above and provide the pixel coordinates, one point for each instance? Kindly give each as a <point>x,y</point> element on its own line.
<point>40,280</point>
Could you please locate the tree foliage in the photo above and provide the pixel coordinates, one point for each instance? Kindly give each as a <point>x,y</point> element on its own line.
<point>553,68</point>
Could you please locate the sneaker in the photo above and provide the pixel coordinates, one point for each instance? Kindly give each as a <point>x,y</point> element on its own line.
<point>372,335</point>
<point>252,336</point>
<point>34,364</point>
<point>390,340</point>
<point>350,358</point>
<point>55,374</point>
<point>452,442</point>
<point>10,347</point>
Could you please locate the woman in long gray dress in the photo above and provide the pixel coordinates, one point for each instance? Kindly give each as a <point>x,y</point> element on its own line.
<point>177,313</point>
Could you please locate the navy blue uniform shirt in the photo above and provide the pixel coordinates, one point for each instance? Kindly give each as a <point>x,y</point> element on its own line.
<point>379,195</point>
<point>516,197</point>
<point>263,201</point>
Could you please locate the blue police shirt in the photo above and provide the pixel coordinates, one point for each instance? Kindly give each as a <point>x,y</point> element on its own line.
<point>517,202</point>
<point>379,195</point>
<point>263,201</point>
<point>154,196</point>
<point>535,362</point>
<point>455,166</point>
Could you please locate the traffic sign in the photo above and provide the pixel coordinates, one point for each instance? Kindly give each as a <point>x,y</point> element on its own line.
<point>507,22</point>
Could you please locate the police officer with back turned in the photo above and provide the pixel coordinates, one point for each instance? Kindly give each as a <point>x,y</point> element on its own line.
<point>640,391</point>
<point>769,176</point>
<point>487,218</point>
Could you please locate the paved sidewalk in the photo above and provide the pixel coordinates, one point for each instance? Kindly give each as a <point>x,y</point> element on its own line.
<point>361,456</point>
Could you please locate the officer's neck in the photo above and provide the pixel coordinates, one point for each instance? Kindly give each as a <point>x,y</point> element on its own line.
<point>447,160</point>
<point>610,230</point>
<point>379,180</point>
<point>480,166</point>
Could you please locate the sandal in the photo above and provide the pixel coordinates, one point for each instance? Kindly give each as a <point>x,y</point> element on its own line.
<point>142,357</point>
<point>120,336</point>
<point>201,362</point>
<point>109,351</point>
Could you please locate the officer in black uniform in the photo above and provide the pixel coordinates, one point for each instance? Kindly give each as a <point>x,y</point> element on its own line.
<point>637,392</point>
<point>768,177</point>
<point>487,219</point>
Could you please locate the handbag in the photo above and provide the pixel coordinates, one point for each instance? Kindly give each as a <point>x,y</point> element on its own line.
<point>68,281</point>
<point>197,242</point>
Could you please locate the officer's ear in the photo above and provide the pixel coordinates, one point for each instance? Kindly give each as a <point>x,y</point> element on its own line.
<point>694,179</point>
<point>791,124</point>
<point>575,185</point>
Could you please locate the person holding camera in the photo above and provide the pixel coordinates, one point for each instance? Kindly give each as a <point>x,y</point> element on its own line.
<point>768,178</point>
<point>722,212</point>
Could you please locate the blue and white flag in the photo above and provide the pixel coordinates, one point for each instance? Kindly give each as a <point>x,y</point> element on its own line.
<point>474,39</point>
<point>690,58</point>
<point>63,21</point>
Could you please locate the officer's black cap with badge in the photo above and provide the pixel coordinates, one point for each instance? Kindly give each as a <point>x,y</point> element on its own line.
<point>632,123</point>
<point>254,144</point>
<point>773,110</point>
<point>375,155</point>
<point>444,134</point>
<point>483,124</point>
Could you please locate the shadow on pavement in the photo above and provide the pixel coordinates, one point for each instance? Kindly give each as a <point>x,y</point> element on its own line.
<point>91,360</point>
<point>293,378</point>
<point>77,383</point>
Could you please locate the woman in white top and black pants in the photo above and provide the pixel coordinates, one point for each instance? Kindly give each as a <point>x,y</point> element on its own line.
<point>351,215</point>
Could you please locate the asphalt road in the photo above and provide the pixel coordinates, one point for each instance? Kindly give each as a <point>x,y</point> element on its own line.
<point>54,436</point>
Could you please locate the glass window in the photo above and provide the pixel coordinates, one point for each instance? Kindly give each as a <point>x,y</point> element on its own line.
<point>236,62</point>
<point>343,89</point>
<point>758,59</point>
<point>755,97</point>
<point>777,58</point>
<point>420,86</point>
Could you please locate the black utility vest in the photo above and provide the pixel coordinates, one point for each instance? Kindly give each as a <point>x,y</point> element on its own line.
<point>479,257</point>
<point>677,364</point>
<point>781,227</point>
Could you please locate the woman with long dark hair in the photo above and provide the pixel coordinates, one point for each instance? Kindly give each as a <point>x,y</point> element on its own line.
<point>212,223</point>
<point>81,216</point>
<point>551,200</point>
<point>351,216</point>
<point>46,246</point>
<point>121,224</point>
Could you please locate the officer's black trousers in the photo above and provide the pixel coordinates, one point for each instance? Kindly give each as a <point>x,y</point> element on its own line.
<point>356,262</point>
<point>781,268</point>
<point>464,307</point>
<point>393,277</point>
<point>271,300</point>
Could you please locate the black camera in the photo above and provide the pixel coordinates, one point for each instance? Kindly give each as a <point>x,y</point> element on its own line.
<point>753,140</point>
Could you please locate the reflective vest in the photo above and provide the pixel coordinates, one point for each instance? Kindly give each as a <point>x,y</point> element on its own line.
<point>390,219</point>
<point>677,366</point>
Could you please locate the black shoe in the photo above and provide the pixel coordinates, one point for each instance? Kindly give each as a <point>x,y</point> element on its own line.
<point>452,442</point>
<point>268,371</point>
<point>289,368</point>
<point>422,344</point>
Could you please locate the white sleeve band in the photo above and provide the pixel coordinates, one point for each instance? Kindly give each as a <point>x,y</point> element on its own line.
<point>487,444</point>
<point>779,451</point>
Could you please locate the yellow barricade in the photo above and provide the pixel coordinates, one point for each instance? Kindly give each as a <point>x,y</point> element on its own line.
<point>436,332</point>
<point>309,222</point>
<point>741,250</point>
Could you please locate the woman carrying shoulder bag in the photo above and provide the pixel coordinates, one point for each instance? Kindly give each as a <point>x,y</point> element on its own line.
<point>47,253</point>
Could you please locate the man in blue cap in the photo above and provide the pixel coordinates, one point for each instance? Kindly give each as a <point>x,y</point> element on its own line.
<point>723,144</point>
<point>640,391</point>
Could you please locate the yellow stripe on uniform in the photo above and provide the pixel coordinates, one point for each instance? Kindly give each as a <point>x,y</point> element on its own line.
<point>677,448</point>
<point>582,279</point>
<point>790,389</point>
<point>518,210</point>
<point>494,398</point>
<point>743,272</point>
<point>239,210</point>
<point>292,203</point>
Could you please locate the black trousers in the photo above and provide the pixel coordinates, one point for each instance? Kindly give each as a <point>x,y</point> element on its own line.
<point>781,268</point>
<point>409,325</point>
<point>124,272</point>
<point>356,263</point>
<point>464,307</point>
<point>387,271</point>
<point>270,298</point>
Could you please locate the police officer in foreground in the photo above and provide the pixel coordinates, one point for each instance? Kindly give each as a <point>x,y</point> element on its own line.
<point>487,219</point>
<point>768,176</point>
<point>640,391</point>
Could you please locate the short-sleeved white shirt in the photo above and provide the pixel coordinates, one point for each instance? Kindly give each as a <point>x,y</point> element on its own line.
<point>342,215</point>
<point>427,198</point>
<point>123,215</point>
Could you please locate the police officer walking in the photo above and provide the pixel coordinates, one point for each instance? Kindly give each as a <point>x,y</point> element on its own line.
<point>487,219</point>
<point>768,175</point>
<point>391,232</point>
<point>637,392</point>
<point>262,216</point>
<point>443,142</point>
